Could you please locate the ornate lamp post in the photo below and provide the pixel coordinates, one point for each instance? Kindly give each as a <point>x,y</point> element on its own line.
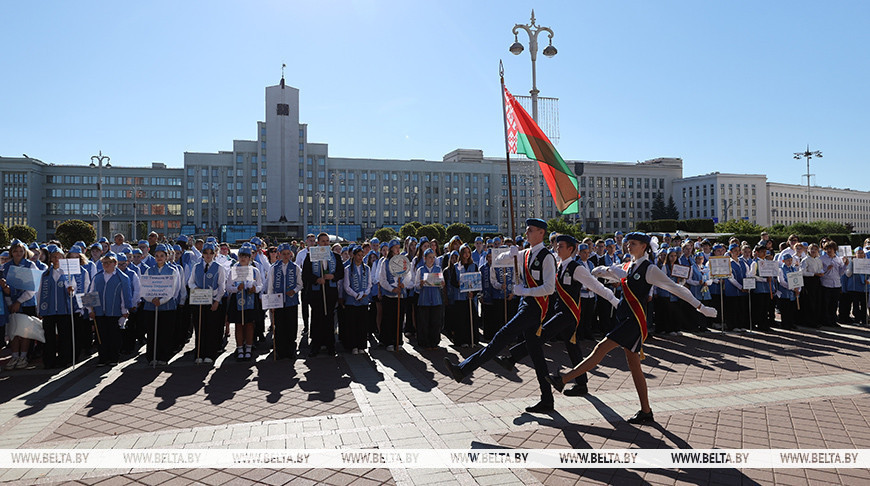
<point>97,161</point>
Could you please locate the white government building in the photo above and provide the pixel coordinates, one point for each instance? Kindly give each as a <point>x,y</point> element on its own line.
<point>283,183</point>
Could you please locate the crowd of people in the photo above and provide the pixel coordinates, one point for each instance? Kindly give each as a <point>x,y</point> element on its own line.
<point>385,293</point>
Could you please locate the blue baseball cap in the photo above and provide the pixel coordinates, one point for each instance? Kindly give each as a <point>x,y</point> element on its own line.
<point>126,250</point>
<point>733,246</point>
<point>619,233</point>
<point>394,243</point>
<point>609,242</point>
<point>96,246</point>
<point>479,238</point>
<point>103,240</point>
<point>211,239</point>
<point>257,241</point>
<point>245,250</point>
<point>284,246</point>
<point>136,252</point>
<point>582,246</point>
<point>161,247</point>
<point>177,247</point>
<point>209,246</point>
<point>181,238</point>
<point>121,257</point>
<point>428,252</point>
<point>76,249</point>
<point>143,242</point>
<point>375,241</point>
<point>53,249</point>
<point>34,246</point>
<point>424,239</point>
<point>109,254</point>
<point>80,243</point>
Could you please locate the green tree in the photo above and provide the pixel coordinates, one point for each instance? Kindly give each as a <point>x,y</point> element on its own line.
<point>562,227</point>
<point>739,226</point>
<point>462,230</point>
<point>429,231</point>
<point>23,233</point>
<point>409,229</point>
<point>658,210</point>
<point>74,230</point>
<point>671,212</point>
<point>385,234</point>
<point>4,235</point>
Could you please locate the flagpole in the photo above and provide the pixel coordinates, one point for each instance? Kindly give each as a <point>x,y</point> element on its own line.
<point>507,153</point>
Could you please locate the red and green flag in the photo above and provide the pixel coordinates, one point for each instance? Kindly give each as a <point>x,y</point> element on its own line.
<point>524,136</point>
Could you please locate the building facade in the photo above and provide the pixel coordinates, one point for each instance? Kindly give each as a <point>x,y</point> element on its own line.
<point>722,197</point>
<point>284,183</point>
<point>44,195</point>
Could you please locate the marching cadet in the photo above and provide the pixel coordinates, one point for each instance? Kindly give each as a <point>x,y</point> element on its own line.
<point>538,283</point>
<point>571,279</point>
<point>321,279</point>
<point>130,330</point>
<point>392,288</point>
<point>429,317</point>
<point>357,285</point>
<point>164,308</point>
<point>242,305</point>
<point>636,278</point>
<point>116,297</point>
<point>285,277</point>
<point>208,274</point>
<point>55,291</point>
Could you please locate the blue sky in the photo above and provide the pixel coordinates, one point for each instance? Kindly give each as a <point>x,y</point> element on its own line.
<point>730,86</point>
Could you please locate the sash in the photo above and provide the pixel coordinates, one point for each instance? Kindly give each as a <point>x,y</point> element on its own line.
<point>573,306</point>
<point>636,309</point>
<point>543,302</point>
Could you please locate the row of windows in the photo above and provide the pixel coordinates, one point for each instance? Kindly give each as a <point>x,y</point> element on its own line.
<point>112,209</point>
<point>15,177</point>
<point>114,180</point>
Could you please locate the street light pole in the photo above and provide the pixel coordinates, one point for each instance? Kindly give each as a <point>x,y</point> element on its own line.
<point>808,155</point>
<point>97,161</point>
<point>516,49</point>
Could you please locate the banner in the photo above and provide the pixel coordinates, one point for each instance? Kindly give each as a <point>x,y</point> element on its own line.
<point>501,258</point>
<point>489,458</point>
<point>749,283</point>
<point>795,280</point>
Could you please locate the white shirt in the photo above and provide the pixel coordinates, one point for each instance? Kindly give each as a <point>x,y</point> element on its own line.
<point>221,278</point>
<point>812,266</point>
<point>270,279</point>
<point>548,273</point>
<point>300,257</point>
<point>252,286</point>
<point>347,277</point>
<point>407,280</point>
<point>654,276</point>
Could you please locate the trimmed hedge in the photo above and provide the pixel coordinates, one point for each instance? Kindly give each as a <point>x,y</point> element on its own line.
<point>853,240</point>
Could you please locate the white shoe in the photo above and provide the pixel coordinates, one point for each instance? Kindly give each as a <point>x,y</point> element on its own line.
<point>21,364</point>
<point>198,361</point>
<point>208,361</point>
<point>391,348</point>
<point>11,364</point>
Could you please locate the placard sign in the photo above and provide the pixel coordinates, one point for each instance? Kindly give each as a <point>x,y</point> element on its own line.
<point>70,266</point>
<point>91,299</point>
<point>157,286</point>
<point>470,282</point>
<point>23,278</point>
<point>720,267</point>
<point>795,280</point>
<point>201,296</point>
<point>223,261</point>
<point>844,251</point>
<point>501,258</point>
<point>861,266</point>
<point>243,273</point>
<point>768,268</point>
<point>435,279</point>
<point>680,271</point>
<point>749,284</point>
<point>319,253</point>
<point>272,301</point>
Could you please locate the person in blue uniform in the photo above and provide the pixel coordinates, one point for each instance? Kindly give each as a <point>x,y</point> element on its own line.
<point>392,287</point>
<point>636,278</point>
<point>357,285</point>
<point>116,297</point>
<point>130,330</point>
<point>537,282</point>
<point>208,274</point>
<point>429,317</point>
<point>285,277</point>
<point>464,320</point>
<point>563,323</point>
<point>242,302</point>
<point>18,301</point>
<point>55,291</point>
<point>164,308</point>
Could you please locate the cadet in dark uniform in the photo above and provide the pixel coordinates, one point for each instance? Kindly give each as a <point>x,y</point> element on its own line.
<point>315,275</point>
<point>538,277</point>
<point>571,278</point>
<point>636,277</point>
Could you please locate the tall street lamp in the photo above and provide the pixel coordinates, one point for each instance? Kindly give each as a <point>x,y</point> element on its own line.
<point>517,48</point>
<point>97,161</point>
<point>808,155</point>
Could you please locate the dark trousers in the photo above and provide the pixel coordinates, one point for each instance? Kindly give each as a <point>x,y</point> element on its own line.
<point>356,319</point>
<point>812,302</point>
<point>284,328</point>
<point>735,312</point>
<point>587,317</point>
<point>208,330</point>
<point>760,303</point>
<point>716,303</point>
<point>130,332</point>
<point>605,319</point>
<point>58,340</point>
<point>182,327</point>
<point>109,347</point>
<point>428,325</point>
<point>492,318</point>
<point>831,298</point>
<point>391,309</point>
<point>859,305</point>
<point>465,325</point>
<point>844,307</point>
<point>165,339</point>
<point>787,311</point>
<point>323,320</point>
<point>305,304</point>
<point>560,326</point>
<point>409,308</point>
<point>528,317</point>
<point>661,315</point>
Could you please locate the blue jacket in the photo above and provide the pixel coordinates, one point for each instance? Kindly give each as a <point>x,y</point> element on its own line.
<point>116,294</point>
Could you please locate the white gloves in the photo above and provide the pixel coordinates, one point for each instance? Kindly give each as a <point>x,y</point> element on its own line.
<point>707,311</point>
<point>598,271</point>
<point>614,302</point>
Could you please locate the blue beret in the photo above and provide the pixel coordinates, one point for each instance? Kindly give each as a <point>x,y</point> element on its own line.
<point>638,236</point>
<point>582,246</point>
<point>428,252</point>
<point>256,240</point>
<point>143,242</point>
<point>609,242</point>
<point>53,249</point>
<point>673,250</point>
<point>80,243</point>
<point>209,246</point>
<point>161,247</point>
<point>284,246</point>
<point>211,239</point>
<point>137,252</point>
<point>122,257</point>
<point>664,246</point>
<point>245,250</point>
<point>488,241</point>
<point>76,249</point>
<point>110,254</point>
<point>126,250</point>
<point>354,249</point>
<point>454,253</point>
<point>176,247</point>
<point>619,233</point>
<point>103,240</point>
<point>394,243</point>
<point>424,239</point>
<point>34,246</point>
<point>97,246</point>
<point>479,238</point>
<point>733,246</point>
<point>375,241</point>
<point>5,254</point>
<point>805,244</point>
<point>385,244</point>
<point>455,237</point>
<point>570,240</point>
<point>518,239</point>
<point>537,223</point>
<point>718,246</point>
<point>15,242</point>
<point>181,238</point>
<point>667,235</point>
<point>787,256</point>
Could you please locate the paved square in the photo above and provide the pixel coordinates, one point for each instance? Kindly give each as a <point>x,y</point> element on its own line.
<point>783,389</point>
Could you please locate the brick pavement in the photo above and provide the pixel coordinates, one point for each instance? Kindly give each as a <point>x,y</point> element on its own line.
<point>783,389</point>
